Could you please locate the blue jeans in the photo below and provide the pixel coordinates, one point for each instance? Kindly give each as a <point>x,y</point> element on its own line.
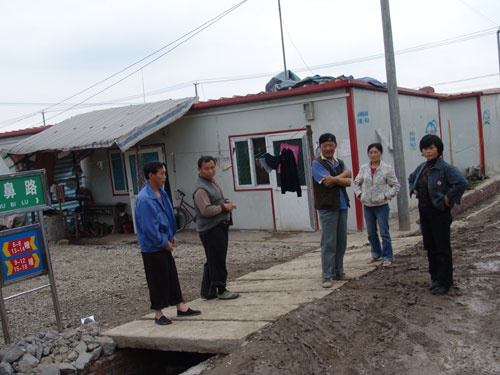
<point>333,241</point>
<point>373,215</point>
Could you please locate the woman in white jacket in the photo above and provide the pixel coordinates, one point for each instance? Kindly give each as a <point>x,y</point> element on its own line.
<point>374,186</point>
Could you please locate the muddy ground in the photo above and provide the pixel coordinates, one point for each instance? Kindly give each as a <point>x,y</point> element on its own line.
<point>388,322</point>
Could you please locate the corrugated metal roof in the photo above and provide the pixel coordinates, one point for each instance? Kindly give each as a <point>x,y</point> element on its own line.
<point>123,126</point>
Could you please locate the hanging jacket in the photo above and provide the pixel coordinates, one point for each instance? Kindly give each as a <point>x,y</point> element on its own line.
<point>289,174</point>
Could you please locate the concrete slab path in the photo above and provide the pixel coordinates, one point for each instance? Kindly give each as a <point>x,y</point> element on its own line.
<point>265,295</point>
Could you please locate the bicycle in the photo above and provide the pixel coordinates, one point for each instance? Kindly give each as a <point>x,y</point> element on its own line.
<point>183,212</point>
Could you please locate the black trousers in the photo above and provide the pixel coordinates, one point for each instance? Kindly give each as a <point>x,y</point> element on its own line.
<point>435,226</point>
<point>162,278</point>
<point>214,270</point>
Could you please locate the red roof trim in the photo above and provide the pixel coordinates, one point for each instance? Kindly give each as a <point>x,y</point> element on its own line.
<point>462,96</point>
<point>28,131</point>
<point>302,91</point>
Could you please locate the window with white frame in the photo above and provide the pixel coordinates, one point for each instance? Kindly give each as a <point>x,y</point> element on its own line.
<point>118,175</point>
<point>246,152</point>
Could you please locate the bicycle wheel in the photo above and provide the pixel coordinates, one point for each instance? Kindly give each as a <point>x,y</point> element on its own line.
<point>181,218</point>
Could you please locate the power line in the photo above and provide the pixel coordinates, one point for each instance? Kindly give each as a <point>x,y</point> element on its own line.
<point>441,43</point>
<point>199,29</point>
<point>115,101</point>
<point>186,36</point>
<point>484,17</point>
<point>293,44</point>
<point>463,80</point>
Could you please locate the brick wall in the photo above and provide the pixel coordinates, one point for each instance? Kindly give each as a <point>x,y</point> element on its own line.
<point>480,193</point>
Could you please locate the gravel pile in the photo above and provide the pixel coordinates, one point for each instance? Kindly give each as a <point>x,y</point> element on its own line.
<point>54,353</point>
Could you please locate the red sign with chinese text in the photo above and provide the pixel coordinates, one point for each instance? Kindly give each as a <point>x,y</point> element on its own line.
<point>16,247</point>
<point>22,264</point>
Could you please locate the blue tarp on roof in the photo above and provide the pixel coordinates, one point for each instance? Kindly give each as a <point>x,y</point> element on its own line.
<point>278,82</point>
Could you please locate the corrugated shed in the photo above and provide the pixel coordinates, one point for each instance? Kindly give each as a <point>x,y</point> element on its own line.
<point>123,126</point>
<point>64,170</point>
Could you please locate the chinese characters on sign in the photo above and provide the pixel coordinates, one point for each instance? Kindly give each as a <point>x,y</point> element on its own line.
<point>363,118</point>
<point>413,139</point>
<point>21,253</point>
<point>24,253</point>
<point>21,193</point>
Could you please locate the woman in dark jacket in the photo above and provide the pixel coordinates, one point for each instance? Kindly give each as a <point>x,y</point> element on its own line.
<point>437,186</point>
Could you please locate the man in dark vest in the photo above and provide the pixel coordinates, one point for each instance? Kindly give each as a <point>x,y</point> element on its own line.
<point>213,217</point>
<point>330,178</point>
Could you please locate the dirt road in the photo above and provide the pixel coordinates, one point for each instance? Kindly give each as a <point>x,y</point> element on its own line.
<point>388,322</point>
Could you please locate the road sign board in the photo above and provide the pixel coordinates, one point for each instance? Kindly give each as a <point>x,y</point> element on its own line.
<point>22,253</point>
<point>23,191</point>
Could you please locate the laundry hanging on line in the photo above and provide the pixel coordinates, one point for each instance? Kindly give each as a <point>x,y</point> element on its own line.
<point>289,173</point>
<point>286,165</point>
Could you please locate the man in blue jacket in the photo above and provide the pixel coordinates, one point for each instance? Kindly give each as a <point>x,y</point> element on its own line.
<point>156,228</point>
<point>437,186</point>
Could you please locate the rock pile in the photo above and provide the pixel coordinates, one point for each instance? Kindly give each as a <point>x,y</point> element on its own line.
<point>55,353</point>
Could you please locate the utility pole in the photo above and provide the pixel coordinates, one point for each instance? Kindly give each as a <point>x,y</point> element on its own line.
<point>43,117</point>
<point>282,41</point>
<point>195,88</point>
<point>498,47</point>
<point>397,138</point>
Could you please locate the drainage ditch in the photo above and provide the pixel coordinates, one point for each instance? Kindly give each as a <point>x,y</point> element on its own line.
<point>146,362</point>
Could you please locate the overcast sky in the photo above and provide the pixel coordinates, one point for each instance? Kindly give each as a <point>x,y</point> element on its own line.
<point>53,49</point>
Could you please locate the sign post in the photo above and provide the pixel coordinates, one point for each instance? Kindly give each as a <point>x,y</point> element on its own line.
<point>24,251</point>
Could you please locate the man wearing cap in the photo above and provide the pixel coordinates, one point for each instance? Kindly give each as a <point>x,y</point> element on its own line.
<point>330,178</point>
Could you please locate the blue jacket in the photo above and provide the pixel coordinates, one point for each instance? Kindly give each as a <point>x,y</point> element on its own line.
<point>154,220</point>
<point>444,179</point>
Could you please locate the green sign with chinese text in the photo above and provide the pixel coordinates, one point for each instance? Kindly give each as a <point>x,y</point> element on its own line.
<point>23,191</point>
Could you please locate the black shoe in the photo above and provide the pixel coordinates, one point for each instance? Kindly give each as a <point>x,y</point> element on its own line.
<point>188,312</point>
<point>440,290</point>
<point>434,284</point>
<point>209,293</point>
<point>163,321</point>
<point>210,296</point>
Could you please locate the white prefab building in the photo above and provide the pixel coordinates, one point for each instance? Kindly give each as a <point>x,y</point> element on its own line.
<point>238,130</point>
<point>471,130</point>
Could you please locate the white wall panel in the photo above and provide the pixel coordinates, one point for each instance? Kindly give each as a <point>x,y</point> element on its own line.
<point>490,107</point>
<point>460,132</point>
